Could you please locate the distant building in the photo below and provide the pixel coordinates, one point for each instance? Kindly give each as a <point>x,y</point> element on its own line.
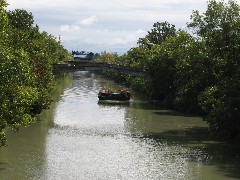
<point>82,55</point>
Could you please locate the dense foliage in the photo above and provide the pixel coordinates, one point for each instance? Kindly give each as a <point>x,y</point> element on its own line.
<point>26,78</point>
<point>198,72</point>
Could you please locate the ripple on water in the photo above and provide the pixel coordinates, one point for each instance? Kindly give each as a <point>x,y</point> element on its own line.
<point>92,141</point>
<point>111,153</point>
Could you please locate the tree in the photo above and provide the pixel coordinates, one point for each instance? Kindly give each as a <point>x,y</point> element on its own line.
<point>161,63</point>
<point>20,19</point>
<point>3,37</point>
<point>219,28</point>
<point>110,58</point>
<point>90,55</point>
<point>16,82</point>
<point>138,57</point>
<point>26,79</point>
<point>160,32</point>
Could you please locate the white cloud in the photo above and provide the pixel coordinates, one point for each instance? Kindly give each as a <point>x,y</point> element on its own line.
<point>69,28</point>
<point>106,24</point>
<point>140,33</point>
<point>123,40</point>
<point>76,27</point>
<point>88,21</point>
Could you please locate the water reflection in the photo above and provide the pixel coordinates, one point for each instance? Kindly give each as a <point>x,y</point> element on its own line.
<point>79,138</point>
<point>213,159</point>
<point>24,157</point>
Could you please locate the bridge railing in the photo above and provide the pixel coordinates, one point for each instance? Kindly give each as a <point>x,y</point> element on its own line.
<point>98,66</point>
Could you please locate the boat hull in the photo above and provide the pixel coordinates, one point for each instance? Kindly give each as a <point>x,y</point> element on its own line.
<point>111,98</point>
<point>114,96</point>
<point>112,102</point>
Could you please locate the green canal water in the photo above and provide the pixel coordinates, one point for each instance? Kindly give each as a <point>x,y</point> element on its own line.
<point>78,138</point>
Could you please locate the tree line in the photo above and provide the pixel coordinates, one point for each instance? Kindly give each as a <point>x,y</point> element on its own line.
<point>195,70</point>
<point>26,58</point>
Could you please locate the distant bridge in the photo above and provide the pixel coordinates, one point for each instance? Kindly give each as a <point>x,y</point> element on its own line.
<point>98,66</point>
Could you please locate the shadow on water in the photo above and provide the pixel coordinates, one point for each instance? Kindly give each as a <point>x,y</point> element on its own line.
<point>188,136</point>
<point>2,164</point>
<point>173,113</point>
<point>224,155</point>
<point>112,104</point>
<point>163,110</point>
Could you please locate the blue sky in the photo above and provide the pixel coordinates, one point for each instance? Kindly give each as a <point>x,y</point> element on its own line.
<point>111,25</point>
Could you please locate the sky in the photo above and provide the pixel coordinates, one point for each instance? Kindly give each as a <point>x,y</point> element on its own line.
<point>105,25</point>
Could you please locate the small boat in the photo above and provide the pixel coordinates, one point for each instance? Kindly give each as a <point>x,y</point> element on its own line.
<point>120,95</point>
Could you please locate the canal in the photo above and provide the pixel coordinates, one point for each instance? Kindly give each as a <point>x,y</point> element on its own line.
<point>78,138</point>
